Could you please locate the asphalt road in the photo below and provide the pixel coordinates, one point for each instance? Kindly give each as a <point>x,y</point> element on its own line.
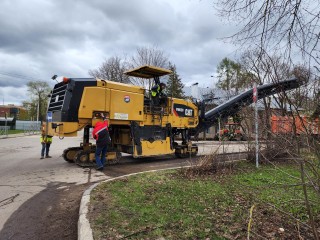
<point>23,175</point>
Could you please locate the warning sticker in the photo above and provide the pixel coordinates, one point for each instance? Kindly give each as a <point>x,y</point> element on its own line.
<point>121,116</point>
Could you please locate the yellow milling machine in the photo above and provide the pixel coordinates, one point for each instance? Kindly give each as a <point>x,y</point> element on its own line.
<point>136,125</point>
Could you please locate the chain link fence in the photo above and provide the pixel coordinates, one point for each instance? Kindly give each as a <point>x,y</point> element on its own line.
<point>4,131</point>
<point>32,129</point>
<point>27,127</point>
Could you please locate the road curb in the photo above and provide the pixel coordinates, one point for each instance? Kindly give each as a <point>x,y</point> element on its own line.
<point>84,228</point>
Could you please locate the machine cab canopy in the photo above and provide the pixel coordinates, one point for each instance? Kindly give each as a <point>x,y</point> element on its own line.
<point>147,71</point>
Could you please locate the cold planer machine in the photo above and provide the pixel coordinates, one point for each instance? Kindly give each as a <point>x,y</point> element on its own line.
<point>137,126</point>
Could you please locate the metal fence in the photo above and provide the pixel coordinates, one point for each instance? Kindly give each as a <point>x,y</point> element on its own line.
<point>29,127</point>
<point>4,131</point>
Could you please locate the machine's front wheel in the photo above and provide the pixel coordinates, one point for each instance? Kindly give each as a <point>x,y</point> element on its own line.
<point>69,154</point>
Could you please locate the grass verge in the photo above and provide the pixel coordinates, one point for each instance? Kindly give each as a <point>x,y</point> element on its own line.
<point>176,205</point>
<point>15,131</point>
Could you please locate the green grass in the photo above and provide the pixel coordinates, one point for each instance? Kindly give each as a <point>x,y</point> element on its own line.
<point>12,131</point>
<point>165,204</point>
<point>15,131</point>
<point>280,187</point>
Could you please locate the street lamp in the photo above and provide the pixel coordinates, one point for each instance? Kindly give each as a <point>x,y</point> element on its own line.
<point>5,123</point>
<point>38,107</point>
<point>38,110</point>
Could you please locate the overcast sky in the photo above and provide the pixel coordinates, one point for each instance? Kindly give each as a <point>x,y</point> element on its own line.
<point>40,38</point>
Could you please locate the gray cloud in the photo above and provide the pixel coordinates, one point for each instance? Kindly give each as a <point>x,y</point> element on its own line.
<point>41,38</point>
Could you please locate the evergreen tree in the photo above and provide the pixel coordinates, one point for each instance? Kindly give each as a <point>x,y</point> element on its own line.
<point>174,84</point>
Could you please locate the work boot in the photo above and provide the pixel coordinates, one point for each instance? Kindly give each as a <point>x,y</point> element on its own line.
<point>42,157</point>
<point>48,156</point>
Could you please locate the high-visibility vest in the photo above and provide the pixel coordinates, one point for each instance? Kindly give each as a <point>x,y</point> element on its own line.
<point>47,139</point>
<point>154,92</point>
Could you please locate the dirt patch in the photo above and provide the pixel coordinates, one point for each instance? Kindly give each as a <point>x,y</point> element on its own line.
<point>51,214</point>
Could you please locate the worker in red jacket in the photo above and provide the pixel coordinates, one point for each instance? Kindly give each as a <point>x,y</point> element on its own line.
<point>101,135</point>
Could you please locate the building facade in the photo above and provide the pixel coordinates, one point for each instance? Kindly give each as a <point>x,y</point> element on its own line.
<point>12,111</point>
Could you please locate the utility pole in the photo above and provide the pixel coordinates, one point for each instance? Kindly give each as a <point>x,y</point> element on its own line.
<point>5,126</point>
<point>38,110</point>
<point>255,98</point>
<point>38,107</point>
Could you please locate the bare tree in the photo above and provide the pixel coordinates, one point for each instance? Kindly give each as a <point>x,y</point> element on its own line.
<point>265,68</point>
<point>316,112</point>
<point>284,24</point>
<point>112,69</point>
<point>148,56</point>
<point>306,96</point>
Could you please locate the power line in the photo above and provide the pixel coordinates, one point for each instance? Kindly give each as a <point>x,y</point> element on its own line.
<point>14,75</point>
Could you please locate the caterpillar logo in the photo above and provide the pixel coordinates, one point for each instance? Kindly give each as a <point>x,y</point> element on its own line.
<point>183,110</point>
<point>188,112</point>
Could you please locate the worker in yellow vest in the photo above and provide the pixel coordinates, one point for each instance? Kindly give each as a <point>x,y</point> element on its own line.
<point>46,141</point>
<point>158,95</point>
